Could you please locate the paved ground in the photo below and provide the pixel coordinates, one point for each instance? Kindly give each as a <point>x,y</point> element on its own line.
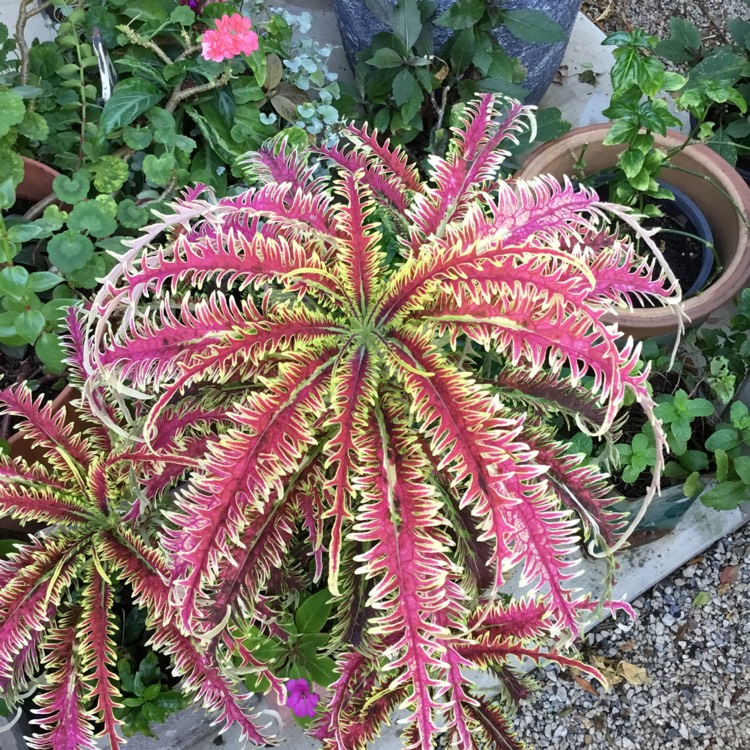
<point>691,642</point>
<point>653,15</point>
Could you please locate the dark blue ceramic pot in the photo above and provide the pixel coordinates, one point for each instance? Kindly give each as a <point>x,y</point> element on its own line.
<point>358,26</point>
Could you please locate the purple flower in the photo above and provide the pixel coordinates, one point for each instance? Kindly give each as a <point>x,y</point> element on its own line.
<point>300,698</point>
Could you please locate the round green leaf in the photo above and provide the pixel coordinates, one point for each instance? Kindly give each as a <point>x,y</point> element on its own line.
<point>159,169</point>
<point>12,111</point>
<point>50,350</point>
<point>137,138</point>
<point>71,189</point>
<point>70,251</point>
<point>88,277</point>
<point>110,174</point>
<point>92,217</point>
<point>182,15</point>
<point>29,325</point>
<point>34,127</point>
<point>11,166</point>
<point>131,215</point>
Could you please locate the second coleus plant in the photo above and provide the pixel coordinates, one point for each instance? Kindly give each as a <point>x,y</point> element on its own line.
<point>385,347</point>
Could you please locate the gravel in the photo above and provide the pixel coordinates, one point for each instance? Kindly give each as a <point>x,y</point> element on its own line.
<point>653,15</point>
<point>696,660</point>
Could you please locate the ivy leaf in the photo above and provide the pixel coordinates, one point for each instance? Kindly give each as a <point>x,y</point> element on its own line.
<point>110,174</point>
<point>407,22</point>
<point>12,111</point>
<point>29,324</point>
<point>92,217</point>
<point>683,43</point>
<point>159,169</point>
<point>182,15</point>
<point>130,215</point>
<point>404,86</point>
<point>33,126</point>
<point>73,189</point>
<point>88,277</point>
<point>533,26</point>
<point>70,251</point>
<point>137,138</point>
<point>131,98</point>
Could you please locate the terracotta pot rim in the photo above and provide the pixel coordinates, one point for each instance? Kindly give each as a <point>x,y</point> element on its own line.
<point>733,277</point>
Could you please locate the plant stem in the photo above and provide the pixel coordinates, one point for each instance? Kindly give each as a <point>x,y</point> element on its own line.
<point>179,95</point>
<point>24,13</point>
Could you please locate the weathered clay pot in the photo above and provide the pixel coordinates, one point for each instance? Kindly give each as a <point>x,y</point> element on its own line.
<point>358,26</point>
<point>37,180</point>
<point>702,175</point>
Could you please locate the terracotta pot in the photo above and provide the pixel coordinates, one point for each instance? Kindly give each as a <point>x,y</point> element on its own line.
<point>712,183</point>
<point>37,180</point>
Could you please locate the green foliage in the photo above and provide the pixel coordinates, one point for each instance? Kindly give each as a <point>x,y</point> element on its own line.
<point>166,92</point>
<point>718,87</point>
<point>300,653</point>
<point>636,111</point>
<point>147,695</point>
<point>713,358</point>
<point>411,90</point>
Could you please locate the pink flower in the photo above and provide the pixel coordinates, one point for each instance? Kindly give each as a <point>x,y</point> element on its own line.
<point>231,37</point>
<point>300,699</point>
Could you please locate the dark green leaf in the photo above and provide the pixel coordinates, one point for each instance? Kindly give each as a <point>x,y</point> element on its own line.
<point>683,43</point>
<point>724,65</point>
<point>463,14</point>
<point>313,613</point>
<point>404,86</point>
<point>407,22</point>
<point>534,26</point>
<point>386,58</point>
<point>131,98</point>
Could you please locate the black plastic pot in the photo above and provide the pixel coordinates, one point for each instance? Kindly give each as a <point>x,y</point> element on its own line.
<point>358,26</point>
<point>702,230</point>
<point>689,208</point>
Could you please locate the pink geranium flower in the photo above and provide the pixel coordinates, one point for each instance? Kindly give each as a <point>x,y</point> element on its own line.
<point>232,37</point>
<point>300,698</point>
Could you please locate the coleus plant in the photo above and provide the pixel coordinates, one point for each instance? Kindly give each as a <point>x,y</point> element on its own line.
<point>379,351</point>
<point>85,499</point>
